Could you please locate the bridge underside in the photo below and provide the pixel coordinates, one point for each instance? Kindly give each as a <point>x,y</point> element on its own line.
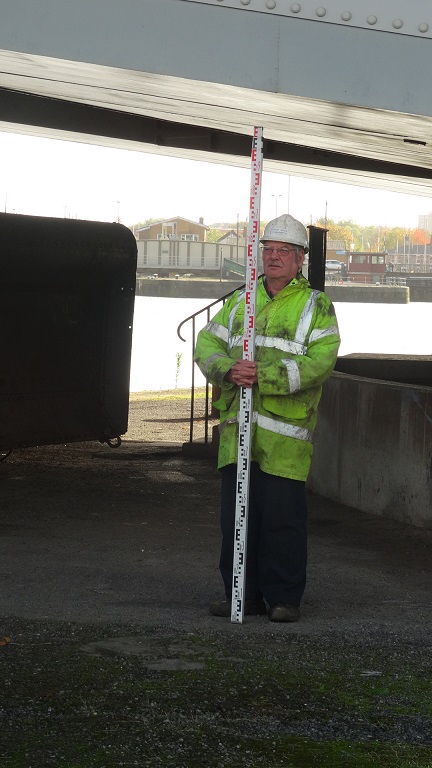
<point>96,120</point>
<point>346,105</point>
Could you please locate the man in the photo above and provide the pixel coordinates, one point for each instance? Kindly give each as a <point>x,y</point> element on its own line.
<point>296,345</point>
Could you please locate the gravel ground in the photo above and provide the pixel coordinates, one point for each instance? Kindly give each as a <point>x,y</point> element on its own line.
<point>108,656</point>
<point>165,416</point>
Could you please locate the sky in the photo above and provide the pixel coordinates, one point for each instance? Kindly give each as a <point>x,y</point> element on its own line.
<point>51,177</point>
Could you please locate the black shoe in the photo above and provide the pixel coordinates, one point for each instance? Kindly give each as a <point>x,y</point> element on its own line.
<point>251,608</point>
<point>282,612</point>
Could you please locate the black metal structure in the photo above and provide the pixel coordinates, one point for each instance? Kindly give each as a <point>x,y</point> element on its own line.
<point>317,257</point>
<point>67,290</point>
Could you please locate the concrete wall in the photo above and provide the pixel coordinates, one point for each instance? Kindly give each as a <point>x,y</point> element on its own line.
<point>187,289</point>
<point>375,294</point>
<point>400,369</point>
<point>421,293</point>
<point>373,448</point>
<point>213,288</point>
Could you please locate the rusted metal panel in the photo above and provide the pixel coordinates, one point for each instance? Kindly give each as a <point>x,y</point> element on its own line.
<point>67,291</point>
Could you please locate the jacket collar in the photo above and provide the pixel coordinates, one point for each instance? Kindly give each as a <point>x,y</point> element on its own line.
<point>299,280</point>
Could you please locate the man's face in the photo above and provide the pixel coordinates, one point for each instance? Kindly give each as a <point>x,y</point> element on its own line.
<point>282,260</point>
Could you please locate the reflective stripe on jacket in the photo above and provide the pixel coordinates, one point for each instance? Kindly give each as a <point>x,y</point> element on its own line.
<point>296,345</point>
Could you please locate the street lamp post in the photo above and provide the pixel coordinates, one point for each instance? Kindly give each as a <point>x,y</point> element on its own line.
<point>276,197</point>
<point>237,252</point>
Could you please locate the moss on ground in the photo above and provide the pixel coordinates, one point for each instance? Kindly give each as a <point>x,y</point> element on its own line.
<point>289,701</point>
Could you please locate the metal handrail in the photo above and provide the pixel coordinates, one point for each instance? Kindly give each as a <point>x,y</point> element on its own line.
<point>191,319</point>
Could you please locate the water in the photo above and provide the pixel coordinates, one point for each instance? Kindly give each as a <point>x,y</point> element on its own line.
<point>161,361</point>
<point>392,329</point>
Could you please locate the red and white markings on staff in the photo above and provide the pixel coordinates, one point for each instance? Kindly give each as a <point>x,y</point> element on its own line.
<point>246,398</point>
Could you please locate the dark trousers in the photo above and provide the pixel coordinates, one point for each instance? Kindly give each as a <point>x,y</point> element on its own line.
<point>277,536</point>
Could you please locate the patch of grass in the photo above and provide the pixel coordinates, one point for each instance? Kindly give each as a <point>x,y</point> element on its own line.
<point>171,394</point>
<point>282,702</point>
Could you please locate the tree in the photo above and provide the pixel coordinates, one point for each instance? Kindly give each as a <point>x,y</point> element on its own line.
<point>394,238</point>
<point>213,235</point>
<point>419,237</point>
<point>146,223</point>
<point>337,231</point>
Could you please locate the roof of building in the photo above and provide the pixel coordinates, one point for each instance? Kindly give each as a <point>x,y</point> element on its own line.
<point>168,221</point>
<point>227,233</point>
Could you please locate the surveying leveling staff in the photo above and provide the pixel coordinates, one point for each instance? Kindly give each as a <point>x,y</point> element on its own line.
<point>296,343</point>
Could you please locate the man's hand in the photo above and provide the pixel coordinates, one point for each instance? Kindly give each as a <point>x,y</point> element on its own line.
<point>243,373</point>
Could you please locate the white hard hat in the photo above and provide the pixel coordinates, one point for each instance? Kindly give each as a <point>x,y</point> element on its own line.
<point>286,229</point>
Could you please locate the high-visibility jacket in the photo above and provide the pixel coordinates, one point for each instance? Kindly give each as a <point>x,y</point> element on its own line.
<point>296,345</point>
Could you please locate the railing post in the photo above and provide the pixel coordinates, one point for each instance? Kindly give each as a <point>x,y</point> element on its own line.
<point>206,414</point>
<point>192,383</point>
<point>209,411</point>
